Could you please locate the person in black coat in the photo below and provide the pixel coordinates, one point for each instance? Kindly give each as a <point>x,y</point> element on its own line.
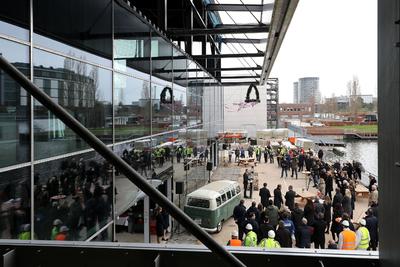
<point>327,213</point>
<point>253,209</point>
<point>264,227</point>
<point>309,211</point>
<point>319,231</point>
<point>265,195</point>
<point>372,226</point>
<point>289,197</point>
<point>336,228</point>
<point>329,185</point>
<point>245,183</point>
<point>304,234</point>
<point>338,198</point>
<point>278,200</point>
<point>239,215</point>
<point>283,236</point>
<point>159,225</point>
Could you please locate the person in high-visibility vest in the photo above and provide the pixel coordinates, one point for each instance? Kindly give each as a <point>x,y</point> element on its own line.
<point>347,238</point>
<point>363,238</point>
<point>269,242</point>
<point>251,237</point>
<point>234,241</point>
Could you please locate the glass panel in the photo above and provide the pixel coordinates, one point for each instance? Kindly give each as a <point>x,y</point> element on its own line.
<point>162,155</point>
<point>105,235</point>
<point>161,55</point>
<point>14,108</point>
<point>131,42</point>
<point>83,90</point>
<point>131,108</point>
<point>197,202</point>
<point>161,107</point>
<point>75,192</point>
<point>83,24</point>
<point>14,16</point>
<point>15,204</point>
<point>179,107</point>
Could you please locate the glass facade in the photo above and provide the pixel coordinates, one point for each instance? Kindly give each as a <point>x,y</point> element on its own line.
<point>128,85</point>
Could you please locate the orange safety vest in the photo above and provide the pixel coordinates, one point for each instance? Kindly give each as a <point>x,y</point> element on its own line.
<point>349,240</point>
<point>235,242</point>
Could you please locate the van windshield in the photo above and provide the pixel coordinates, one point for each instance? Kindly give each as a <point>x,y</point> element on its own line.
<point>197,202</point>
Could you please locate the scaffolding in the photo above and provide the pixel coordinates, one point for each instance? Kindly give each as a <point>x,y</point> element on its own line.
<point>272,103</point>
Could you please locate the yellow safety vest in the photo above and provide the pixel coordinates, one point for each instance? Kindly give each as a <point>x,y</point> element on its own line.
<point>269,243</point>
<point>364,243</point>
<point>250,240</point>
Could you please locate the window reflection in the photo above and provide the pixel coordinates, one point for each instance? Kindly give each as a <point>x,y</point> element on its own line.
<point>73,197</point>
<point>15,19</point>
<point>15,204</point>
<point>14,108</point>
<point>131,107</point>
<point>161,109</point>
<point>83,90</point>
<point>83,24</point>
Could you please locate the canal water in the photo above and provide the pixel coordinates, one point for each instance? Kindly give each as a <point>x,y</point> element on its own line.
<point>365,152</point>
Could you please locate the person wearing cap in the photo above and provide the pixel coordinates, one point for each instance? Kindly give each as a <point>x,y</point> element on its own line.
<point>250,239</point>
<point>363,238</point>
<point>63,234</point>
<point>269,242</point>
<point>25,233</point>
<point>56,228</point>
<point>234,241</point>
<point>347,238</point>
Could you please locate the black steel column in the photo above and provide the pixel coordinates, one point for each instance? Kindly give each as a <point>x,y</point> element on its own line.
<point>389,131</point>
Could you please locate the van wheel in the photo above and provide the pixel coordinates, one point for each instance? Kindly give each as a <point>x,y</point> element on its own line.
<point>219,227</point>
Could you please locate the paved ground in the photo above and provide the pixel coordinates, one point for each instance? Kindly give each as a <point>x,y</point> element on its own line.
<point>269,173</point>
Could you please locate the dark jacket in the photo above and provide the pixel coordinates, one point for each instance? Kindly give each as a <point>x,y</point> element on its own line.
<point>265,195</point>
<point>328,213</point>
<point>239,214</point>
<point>319,231</point>
<point>273,214</point>
<point>278,200</point>
<point>372,226</point>
<point>289,196</point>
<point>253,210</point>
<point>304,232</point>
<point>263,230</point>
<point>283,237</point>
<point>297,215</point>
<point>338,198</point>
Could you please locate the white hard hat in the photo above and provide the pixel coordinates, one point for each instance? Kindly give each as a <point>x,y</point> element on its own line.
<point>271,234</point>
<point>249,227</point>
<point>234,233</point>
<point>345,223</point>
<point>363,222</point>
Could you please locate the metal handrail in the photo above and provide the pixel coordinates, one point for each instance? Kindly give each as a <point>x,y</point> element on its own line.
<point>118,163</point>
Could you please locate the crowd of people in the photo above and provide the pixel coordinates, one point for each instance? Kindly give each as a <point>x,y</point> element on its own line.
<point>279,221</point>
<point>73,204</point>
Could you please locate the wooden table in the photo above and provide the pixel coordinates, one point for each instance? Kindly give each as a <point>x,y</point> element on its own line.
<point>362,190</point>
<point>306,195</point>
<point>245,162</point>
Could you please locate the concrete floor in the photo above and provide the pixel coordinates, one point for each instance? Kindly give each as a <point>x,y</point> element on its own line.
<point>269,173</point>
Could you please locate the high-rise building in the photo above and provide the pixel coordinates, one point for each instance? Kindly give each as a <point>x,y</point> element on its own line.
<point>308,90</point>
<point>295,92</point>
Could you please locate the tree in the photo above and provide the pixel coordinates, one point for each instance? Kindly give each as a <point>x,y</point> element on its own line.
<point>353,92</point>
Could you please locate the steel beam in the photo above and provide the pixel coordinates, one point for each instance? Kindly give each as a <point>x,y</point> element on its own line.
<point>244,40</point>
<point>223,29</point>
<point>210,78</point>
<point>240,7</point>
<point>209,69</point>
<point>225,83</point>
<point>229,55</point>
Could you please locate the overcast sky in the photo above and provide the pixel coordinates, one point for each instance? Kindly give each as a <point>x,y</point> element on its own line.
<point>333,40</point>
